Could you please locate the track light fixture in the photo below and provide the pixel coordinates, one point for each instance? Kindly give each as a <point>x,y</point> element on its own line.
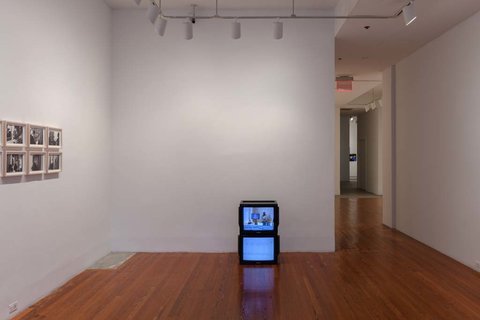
<point>188,25</point>
<point>160,26</point>
<point>373,104</point>
<point>376,104</point>
<point>154,11</point>
<point>409,13</point>
<point>278,30</point>
<point>236,30</point>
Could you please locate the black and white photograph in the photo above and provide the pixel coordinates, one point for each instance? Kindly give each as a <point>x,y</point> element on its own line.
<point>36,136</point>
<point>1,135</point>
<point>15,134</point>
<point>54,138</point>
<point>15,163</point>
<point>36,163</point>
<point>54,163</point>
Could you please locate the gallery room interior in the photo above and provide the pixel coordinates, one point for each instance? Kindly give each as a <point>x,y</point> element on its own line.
<point>155,131</point>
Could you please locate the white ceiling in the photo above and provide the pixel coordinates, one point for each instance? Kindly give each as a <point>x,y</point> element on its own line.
<point>364,53</point>
<point>389,41</point>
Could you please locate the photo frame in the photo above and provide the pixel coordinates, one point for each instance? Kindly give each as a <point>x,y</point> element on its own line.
<point>37,136</point>
<point>36,162</point>
<point>1,163</point>
<point>15,134</point>
<point>54,162</point>
<point>14,164</point>
<point>54,140</point>
<point>2,142</point>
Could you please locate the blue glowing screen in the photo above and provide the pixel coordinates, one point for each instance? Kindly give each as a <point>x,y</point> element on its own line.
<point>258,249</point>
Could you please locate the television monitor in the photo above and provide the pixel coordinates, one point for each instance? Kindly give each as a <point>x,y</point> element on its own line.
<point>258,249</point>
<point>258,217</point>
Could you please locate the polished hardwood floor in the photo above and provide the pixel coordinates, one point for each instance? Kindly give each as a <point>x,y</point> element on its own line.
<point>376,273</point>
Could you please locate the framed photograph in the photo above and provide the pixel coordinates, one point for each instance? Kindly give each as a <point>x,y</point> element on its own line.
<point>1,136</point>
<point>54,138</point>
<point>54,162</point>
<point>14,163</point>
<point>36,136</point>
<point>36,162</point>
<point>1,163</point>
<point>15,134</point>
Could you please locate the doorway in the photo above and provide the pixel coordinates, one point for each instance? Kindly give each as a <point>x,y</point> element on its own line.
<point>360,146</point>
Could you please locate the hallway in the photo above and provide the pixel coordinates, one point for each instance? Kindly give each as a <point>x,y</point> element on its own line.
<point>376,273</point>
<point>349,189</point>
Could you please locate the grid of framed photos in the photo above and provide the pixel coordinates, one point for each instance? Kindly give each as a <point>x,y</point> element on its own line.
<point>28,149</point>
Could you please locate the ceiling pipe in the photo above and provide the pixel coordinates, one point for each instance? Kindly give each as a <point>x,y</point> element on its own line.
<point>291,16</point>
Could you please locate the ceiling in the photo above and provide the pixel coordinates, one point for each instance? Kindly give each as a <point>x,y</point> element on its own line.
<point>388,41</point>
<point>360,52</point>
<point>365,53</point>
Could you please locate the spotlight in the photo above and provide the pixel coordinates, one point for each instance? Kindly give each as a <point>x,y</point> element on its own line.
<point>160,26</point>
<point>137,2</point>
<point>188,29</point>
<point>236,30</point>
<point>278,30</point>
<point>152,12</point>
<point>409,13</point>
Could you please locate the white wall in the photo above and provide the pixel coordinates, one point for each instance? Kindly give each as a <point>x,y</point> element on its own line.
<point>353,147</point>
<point>388,148</point>
<point>437,143</point>
<point>369,128</point>
<point>200,125</point>
<point>55,70</point>
<point>337,151</point>
<point>344,148</point>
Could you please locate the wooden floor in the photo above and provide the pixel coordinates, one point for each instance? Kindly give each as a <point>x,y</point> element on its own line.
<point>376,273</point>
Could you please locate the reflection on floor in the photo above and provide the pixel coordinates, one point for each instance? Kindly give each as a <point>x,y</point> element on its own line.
<point>349,189</point>
<point>257,287</point>
<point>113,260</point>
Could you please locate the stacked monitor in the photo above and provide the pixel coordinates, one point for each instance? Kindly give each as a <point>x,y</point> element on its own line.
<point>258,242</point>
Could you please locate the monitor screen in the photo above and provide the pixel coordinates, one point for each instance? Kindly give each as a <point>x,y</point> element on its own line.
<point>258,219</point>
<point>258,249</point>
